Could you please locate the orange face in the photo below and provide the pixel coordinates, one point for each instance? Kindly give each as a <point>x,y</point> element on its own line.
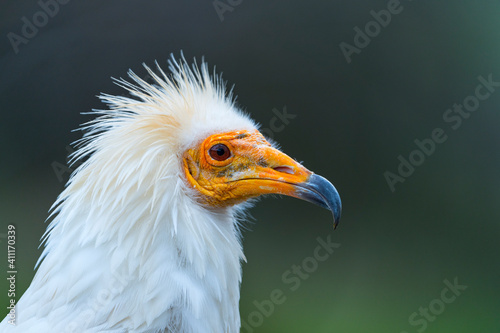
<point>232,167</point>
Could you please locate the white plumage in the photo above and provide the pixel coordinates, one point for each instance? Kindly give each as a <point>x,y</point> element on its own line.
<point>130,248</point>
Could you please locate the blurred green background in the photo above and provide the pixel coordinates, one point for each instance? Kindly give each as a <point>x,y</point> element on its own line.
<point>352,121</point>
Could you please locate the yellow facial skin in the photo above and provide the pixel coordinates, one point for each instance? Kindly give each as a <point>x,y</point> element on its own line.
<point>252,168</point>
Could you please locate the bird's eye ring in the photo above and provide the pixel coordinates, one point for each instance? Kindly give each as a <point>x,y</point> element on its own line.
<point>219,152</point>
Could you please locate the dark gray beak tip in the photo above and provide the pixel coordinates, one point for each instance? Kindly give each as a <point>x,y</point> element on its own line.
<point>321,192</point>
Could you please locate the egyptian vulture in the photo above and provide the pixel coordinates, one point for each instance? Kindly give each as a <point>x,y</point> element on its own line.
<point>146,235</point>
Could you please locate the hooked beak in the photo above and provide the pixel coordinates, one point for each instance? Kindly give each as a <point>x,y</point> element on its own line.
<point>321,192</point>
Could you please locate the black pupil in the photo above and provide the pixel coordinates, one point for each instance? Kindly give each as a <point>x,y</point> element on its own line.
<point>219,152</point>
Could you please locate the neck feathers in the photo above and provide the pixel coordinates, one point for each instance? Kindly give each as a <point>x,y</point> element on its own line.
<point>129,248</point>
<point>158,258</point>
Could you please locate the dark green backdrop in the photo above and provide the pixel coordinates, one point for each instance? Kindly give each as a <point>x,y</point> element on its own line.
<point>353,120</point>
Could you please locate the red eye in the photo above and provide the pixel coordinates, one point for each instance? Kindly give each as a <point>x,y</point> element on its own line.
<point>219,152</point>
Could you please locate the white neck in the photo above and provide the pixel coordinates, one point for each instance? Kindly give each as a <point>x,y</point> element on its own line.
<point>129,249</point>
<point>164,266</point>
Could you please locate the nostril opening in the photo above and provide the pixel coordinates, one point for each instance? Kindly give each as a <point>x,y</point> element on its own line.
<point>284,169</point>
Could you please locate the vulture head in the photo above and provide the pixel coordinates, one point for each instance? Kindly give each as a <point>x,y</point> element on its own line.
<point>145,237</point>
